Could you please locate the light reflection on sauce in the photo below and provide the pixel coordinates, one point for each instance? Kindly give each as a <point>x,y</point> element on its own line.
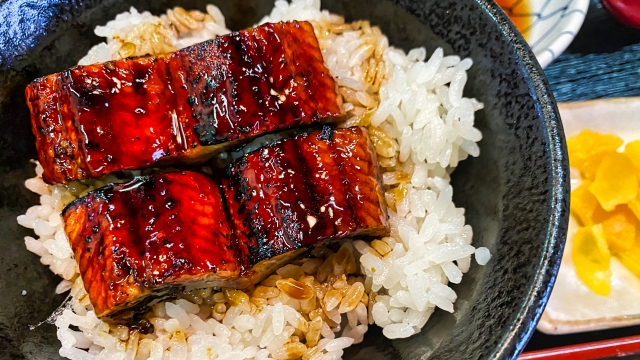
<point>519,12</point>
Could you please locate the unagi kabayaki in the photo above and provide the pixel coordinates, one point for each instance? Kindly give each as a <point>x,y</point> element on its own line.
<point>182,108</point>
<point>297,192</point>
<point>152,237</point>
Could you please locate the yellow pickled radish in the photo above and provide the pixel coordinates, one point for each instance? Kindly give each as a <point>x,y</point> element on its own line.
<point>615,169</point>
<point>619,229</point>
<point>591,258</point>
<point>634,206</point>
<point>607,204</point>
<point>632,150</point>
<point>600,215</point>
<point>631,260</point>
<point>584,204</point>
<point>589,143</point>
<point>590,165</point>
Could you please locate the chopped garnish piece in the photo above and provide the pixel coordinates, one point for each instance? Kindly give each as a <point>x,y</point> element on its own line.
<point>584,204</point>
<point>619,170</point>
<point>619,229</point>
<point>632,150</point>
<point>587,144</point>
<point>591,257</point>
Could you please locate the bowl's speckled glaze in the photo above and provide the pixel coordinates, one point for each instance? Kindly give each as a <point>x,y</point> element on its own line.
<point>515,194</point>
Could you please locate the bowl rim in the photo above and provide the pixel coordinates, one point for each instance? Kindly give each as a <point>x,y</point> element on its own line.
<point>527,317</point>
<point>534,301</point>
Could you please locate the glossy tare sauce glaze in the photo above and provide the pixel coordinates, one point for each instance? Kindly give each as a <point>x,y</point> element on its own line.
<point>159,230</point>
<point>298,192</point>
<point>150,238</point>
<point>183,108</point>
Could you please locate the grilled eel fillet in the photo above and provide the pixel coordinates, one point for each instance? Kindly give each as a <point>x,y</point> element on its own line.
<point>146,240</point>
<point>182,108</point>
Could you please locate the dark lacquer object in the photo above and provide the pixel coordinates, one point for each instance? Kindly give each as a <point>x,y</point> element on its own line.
<point>180,109</point>
<point>149,238</point>
<point>515,194</point>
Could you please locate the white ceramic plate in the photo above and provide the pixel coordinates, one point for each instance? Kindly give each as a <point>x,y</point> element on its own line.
<point>553,24</point>
<point>573,307</point>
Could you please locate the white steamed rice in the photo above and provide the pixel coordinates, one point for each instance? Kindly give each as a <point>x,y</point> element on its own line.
<point>421,127</point>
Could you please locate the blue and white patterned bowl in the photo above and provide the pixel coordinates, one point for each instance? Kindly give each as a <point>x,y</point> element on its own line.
<point>551,24</point>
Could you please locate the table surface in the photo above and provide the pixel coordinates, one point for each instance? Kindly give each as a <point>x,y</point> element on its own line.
<point>603,61</point>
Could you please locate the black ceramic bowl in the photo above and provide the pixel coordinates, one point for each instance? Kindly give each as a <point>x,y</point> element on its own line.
<point>515,193</point>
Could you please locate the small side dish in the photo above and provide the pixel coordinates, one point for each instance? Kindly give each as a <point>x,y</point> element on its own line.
<point>549,26</point>
<point>597,285</point>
